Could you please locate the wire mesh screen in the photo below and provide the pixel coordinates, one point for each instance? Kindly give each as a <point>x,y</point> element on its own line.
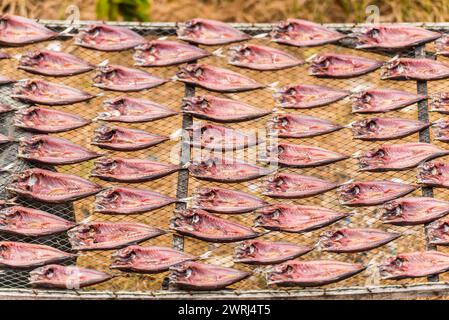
<point>170,94</point>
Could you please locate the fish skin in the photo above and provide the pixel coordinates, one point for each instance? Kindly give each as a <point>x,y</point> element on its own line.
<point>414,265</point>
<point>439,102</point>
<point>23,255</point>
<point>209,32</point>
<point>66,277</point>
<point>122,200</point>
<point>394,37</point>
<point>300,126</point>
<point>307,96</point>
<point>414,69</point>
<point>220,138</point>
<point>441,130</point>
<point>44,120</point>
<point>31,31</point>
<point>48,93</point>
<point>225,170</point>
<point>371,193</point>
<point>302,156</point>
<point>53,150</point>
<point>381,129</point>
<point>434,173</point>
<point>227,201</point>
<point>303,33</point>
<point>296,186</point>
<point>354,240</point>
<point>133,110</point>
<point>296,218</point>
<point>148,260</point>
<point>327,65</point>
<point>53,63</point>
<point>110,235</point>
<point>120,78</point>
<point>442,46</point>
<point>30,222</point>
<point>125,139</point>
<point>202,225</point>
<point>261,58</point>
<point>398,156</point>
<point>212,78</point>
<point>413,211</point>
<point>5,108</point>
<point>257,252</point>
<point>437,232</point>
<point>74,187</point>
<point>311,273</point>
<point>162,53</point>
<point>221,110</point>
<point>93,36</point>
<point>114,169</point>
<point>382,100</point>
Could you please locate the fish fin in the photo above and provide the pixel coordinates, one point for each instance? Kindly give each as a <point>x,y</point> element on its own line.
<point>349,125</point>
<point>357,154</point>
<point>273,86</point>
<point>8,167</point>
<point>311,57</point>
<point>207,254</point>
<point>186,165</point>
<point>17,56</point>
<point>176,135</point>
<point>185,200</point>
<point>66,31</point>
<point>409,108</point>
<point>86,220</point>
<point>8,202</point>
<point>398,180</point>
<point>54,46</point>
<point>219,53</point>
<point>346,182</point>
<point>373,278</point>
<point>174,78</point>
<point>261,35</point>
<point>359,88</point>
<point>163,38</point>
<point>100,94</point>
<point>104,63</point>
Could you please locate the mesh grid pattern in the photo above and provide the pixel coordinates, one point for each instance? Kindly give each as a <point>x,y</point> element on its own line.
<point>170,95</point>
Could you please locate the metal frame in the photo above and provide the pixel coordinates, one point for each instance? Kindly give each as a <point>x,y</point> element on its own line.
<point>431,288</point>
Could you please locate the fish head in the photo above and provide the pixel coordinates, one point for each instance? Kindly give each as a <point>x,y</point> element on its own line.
<point>107,74</point>
<point>393,266</point>
<point>104,134</point>
<point>185,272</point>
<point>147,53</point>
<point>281,272</point>
<point>332,238</point>
<point>106,165</point>
<point>84,234</point>
<point>205,194</point>
<point>203,166</point>
<point>241,53</point>
<point>107,198</point>
<point>190,219</point>
<point>125,256</point>
<point>279,123</point>
<point>25,181</point>
<point>392,210</point>
<point>430,171</point>
<point>287,95</point>
<point>361,100</point>
<point>375,157</point>
<point>350,192</point>
<point>365,127</point>
<point>191,71</point>
<point>196,104</point>
<point>268,215</point>
<point>93,35</point>
<point>246,249</point>
<point>396,67</point>
<point>45,273</point>
<point>286,30</point>
<point>370,36</point>
<point>192,29</point>
<point>438,231</point>
<point>28,87</point>
<point>320,63</point>
<point>32,58</point>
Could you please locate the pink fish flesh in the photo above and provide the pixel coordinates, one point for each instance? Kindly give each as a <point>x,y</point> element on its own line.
<point>127,109</point>
<point>160,53</point>
<point>307,96</point>
<point>52,187</point>
<point>110,235</point>
<point>341,66</point>
<point>131,170</point>
<point>398,156</point>
<point>123,200</point>
<point>303,33</point>
<point>209,32</point>
<point>216,79</point>
<point>16,31</point>
<point>371,193</point>
<point>221,110</point>
<point>119,78</point>
<point>125,139</point>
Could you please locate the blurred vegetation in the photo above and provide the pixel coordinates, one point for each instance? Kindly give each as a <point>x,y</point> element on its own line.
<point>234,10</point>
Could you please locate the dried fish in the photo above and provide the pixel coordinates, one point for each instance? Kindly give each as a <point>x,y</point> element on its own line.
<point>373,129</point>
<point>300,126</point>
<point>414,69</point>
<point>17,31</point>
<point>110,235</point>
<point>341,66</point>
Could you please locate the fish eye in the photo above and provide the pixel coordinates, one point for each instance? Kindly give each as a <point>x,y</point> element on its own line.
<point>195,219</point>
<point>434,171</point>
<point>275,214</point>
<point>246,52</point>
<point>374,32</point>
<point>49,273</point>
<point>291,91</point>
<point>251,249</point>
<point>445,227</point>
<point>280,149</point>
<point>289,269</point>
<point>380,153</point>
<point>188,272</point>
<point>355,190</point>
<point>198,72</point>
<point>337,236</point>
<point>324,63</point>
<point>289,27</point>
<point>204,104</point>
<point>371,125</point>
<point>397,262</point>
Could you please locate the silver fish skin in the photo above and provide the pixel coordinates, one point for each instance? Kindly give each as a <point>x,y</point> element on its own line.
<point>104,37</point>
<point>66,277</point>
<point>124,79</point>
<point>394,37</point>
<point>434,173</point>
<point>53,63</point>
<point>209,32</point>
<point>414,69</point>
<point>398,156</point>
<point>414,211</point>
<point>18,31</point>
<point>133,110</point>
<point>332,65</point>
<point>383,100</point>
<point>44,120</point>
<point>261,58</point>
<point>161,53</point>
<point>307,96</point>
<point>303,33</point>
<point>48,93</point>
<point>299,126</point>
<point>221,110</point>
<point>371,193</point>
<point>380,129</point>
<point>216,79</point>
